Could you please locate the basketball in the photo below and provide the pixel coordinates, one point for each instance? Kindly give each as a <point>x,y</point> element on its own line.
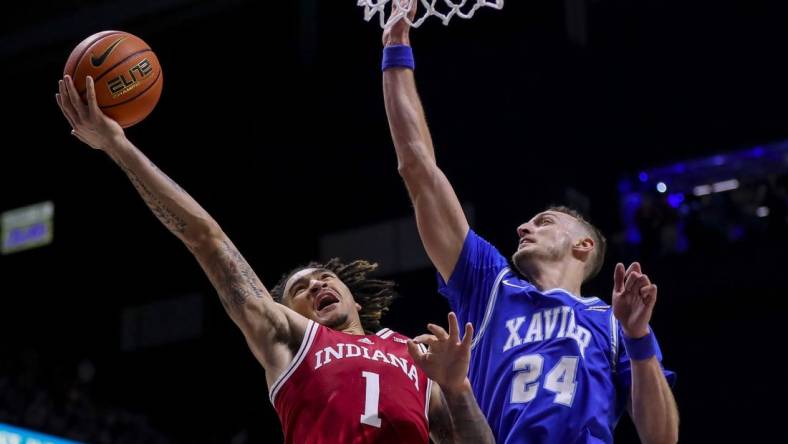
<point>126,72</point>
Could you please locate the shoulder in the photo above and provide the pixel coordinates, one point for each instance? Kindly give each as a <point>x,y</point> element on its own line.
<point>388,334</point>
<point>591,303</point>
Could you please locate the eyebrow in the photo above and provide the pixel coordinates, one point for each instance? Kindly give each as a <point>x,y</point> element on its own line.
<point>308,275</point>
<point>543,215</point>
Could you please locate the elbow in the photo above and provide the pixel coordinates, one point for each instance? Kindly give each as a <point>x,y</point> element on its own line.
<point>415,166</point>
<point>204,235</point>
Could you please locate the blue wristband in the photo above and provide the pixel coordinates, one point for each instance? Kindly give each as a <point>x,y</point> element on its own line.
<point>398,56</point>
<point>641,348</point>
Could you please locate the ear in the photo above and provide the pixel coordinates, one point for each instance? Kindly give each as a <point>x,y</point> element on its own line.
<point>358,307</point>
<point>583,248</point>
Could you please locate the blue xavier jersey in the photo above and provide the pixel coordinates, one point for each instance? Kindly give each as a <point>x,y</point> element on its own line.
<point>546,366</point>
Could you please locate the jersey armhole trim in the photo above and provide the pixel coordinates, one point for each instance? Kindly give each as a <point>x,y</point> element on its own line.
<point>613,341</point>
<point>490,305</point>
<point>306,344</point>
<point>427,400</point>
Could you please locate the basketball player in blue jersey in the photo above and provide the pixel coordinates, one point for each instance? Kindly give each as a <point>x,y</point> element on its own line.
<point>547,365</point>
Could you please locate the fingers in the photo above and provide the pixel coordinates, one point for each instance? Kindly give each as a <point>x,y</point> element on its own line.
<point>438,331</point>
<point>412,12</point>
<point>454,328</point>
<point>643,284</point>
<point>634,278</point>
<point>649,294</point>
<point>415,351</point>
<point>641,281</point>
<point>73,97</point>
<point>467,339</point>
<point>630,269</point>
<point>407,8</point>
<point>60,104</point>
<point>93,107</point>
<point>409,5</point>
<point>66,106</point>
<point>426,339</point>
<point>630,275</point>
<point>630,281</point>
<point>618,278</point>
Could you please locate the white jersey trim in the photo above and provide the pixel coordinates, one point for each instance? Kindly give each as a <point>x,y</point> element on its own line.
<point>427,400</point>
<point>577,298</point>
<point>613,341</point>
<point>306,344</point>
<point>490,305</point>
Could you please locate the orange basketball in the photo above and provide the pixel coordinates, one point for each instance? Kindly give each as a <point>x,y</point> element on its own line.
<point>126,73</point>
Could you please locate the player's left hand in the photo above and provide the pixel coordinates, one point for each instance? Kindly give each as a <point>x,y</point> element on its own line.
<point>447,358</point>
<point>88,123</point>
<point>634,297</point>
<point>399,32</point>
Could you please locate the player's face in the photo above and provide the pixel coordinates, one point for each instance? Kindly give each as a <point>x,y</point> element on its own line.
<point>548,237</point>
<point>321,296</point>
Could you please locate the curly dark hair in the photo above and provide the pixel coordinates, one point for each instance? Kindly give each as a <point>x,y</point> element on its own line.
<point>374,295</point>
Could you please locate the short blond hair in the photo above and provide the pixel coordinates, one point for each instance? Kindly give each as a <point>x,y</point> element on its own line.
<point>600,243</point>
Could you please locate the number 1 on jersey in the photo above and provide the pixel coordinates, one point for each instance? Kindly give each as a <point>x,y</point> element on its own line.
<point>370,416</point>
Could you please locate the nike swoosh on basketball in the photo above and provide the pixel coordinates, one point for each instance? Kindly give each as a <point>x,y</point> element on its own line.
<point>506,282</point>
<point>97,61</point>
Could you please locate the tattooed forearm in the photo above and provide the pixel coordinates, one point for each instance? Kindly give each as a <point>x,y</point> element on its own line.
<point>172,182</point>
<point>171,220</point>
<point>468,423</point>
<point>233,278</point>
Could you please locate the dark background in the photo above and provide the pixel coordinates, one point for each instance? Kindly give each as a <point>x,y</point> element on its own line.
<point>272,118</point>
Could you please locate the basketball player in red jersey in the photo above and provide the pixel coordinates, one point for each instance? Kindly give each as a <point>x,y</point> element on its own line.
<point>328,380</point>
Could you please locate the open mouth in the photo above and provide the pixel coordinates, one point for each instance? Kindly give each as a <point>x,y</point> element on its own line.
<point>326,301</point>
<point>524,241</point>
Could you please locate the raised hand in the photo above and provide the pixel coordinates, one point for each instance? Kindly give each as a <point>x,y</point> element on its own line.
<point>88,123</point>
<point>634,297</point>
<point>399,32</point>
<point>447,358</point>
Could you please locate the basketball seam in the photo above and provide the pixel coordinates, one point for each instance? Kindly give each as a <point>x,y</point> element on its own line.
<point>158,76</point>
<point>116,65</point>
<point>126,125</point>
<point>87,48</point>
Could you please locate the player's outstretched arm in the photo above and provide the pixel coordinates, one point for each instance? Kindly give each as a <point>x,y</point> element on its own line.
<point>439,216</point>
<point>455,416</point>
<point>652,405</point>
<point>266,324</point>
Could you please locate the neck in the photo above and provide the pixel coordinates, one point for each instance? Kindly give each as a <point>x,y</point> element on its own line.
<point>352,327</point>
<point>549,276</point>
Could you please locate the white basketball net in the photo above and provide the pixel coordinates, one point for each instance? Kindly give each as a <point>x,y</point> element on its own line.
<point>443,9</point>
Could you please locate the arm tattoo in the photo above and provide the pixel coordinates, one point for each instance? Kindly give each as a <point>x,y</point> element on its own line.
<point>171,220</point>
<point>172,182</point>
<point>234,279</point>
<point>463,421</point>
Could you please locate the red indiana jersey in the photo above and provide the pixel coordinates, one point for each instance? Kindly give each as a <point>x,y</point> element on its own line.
<point>343,388</point>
